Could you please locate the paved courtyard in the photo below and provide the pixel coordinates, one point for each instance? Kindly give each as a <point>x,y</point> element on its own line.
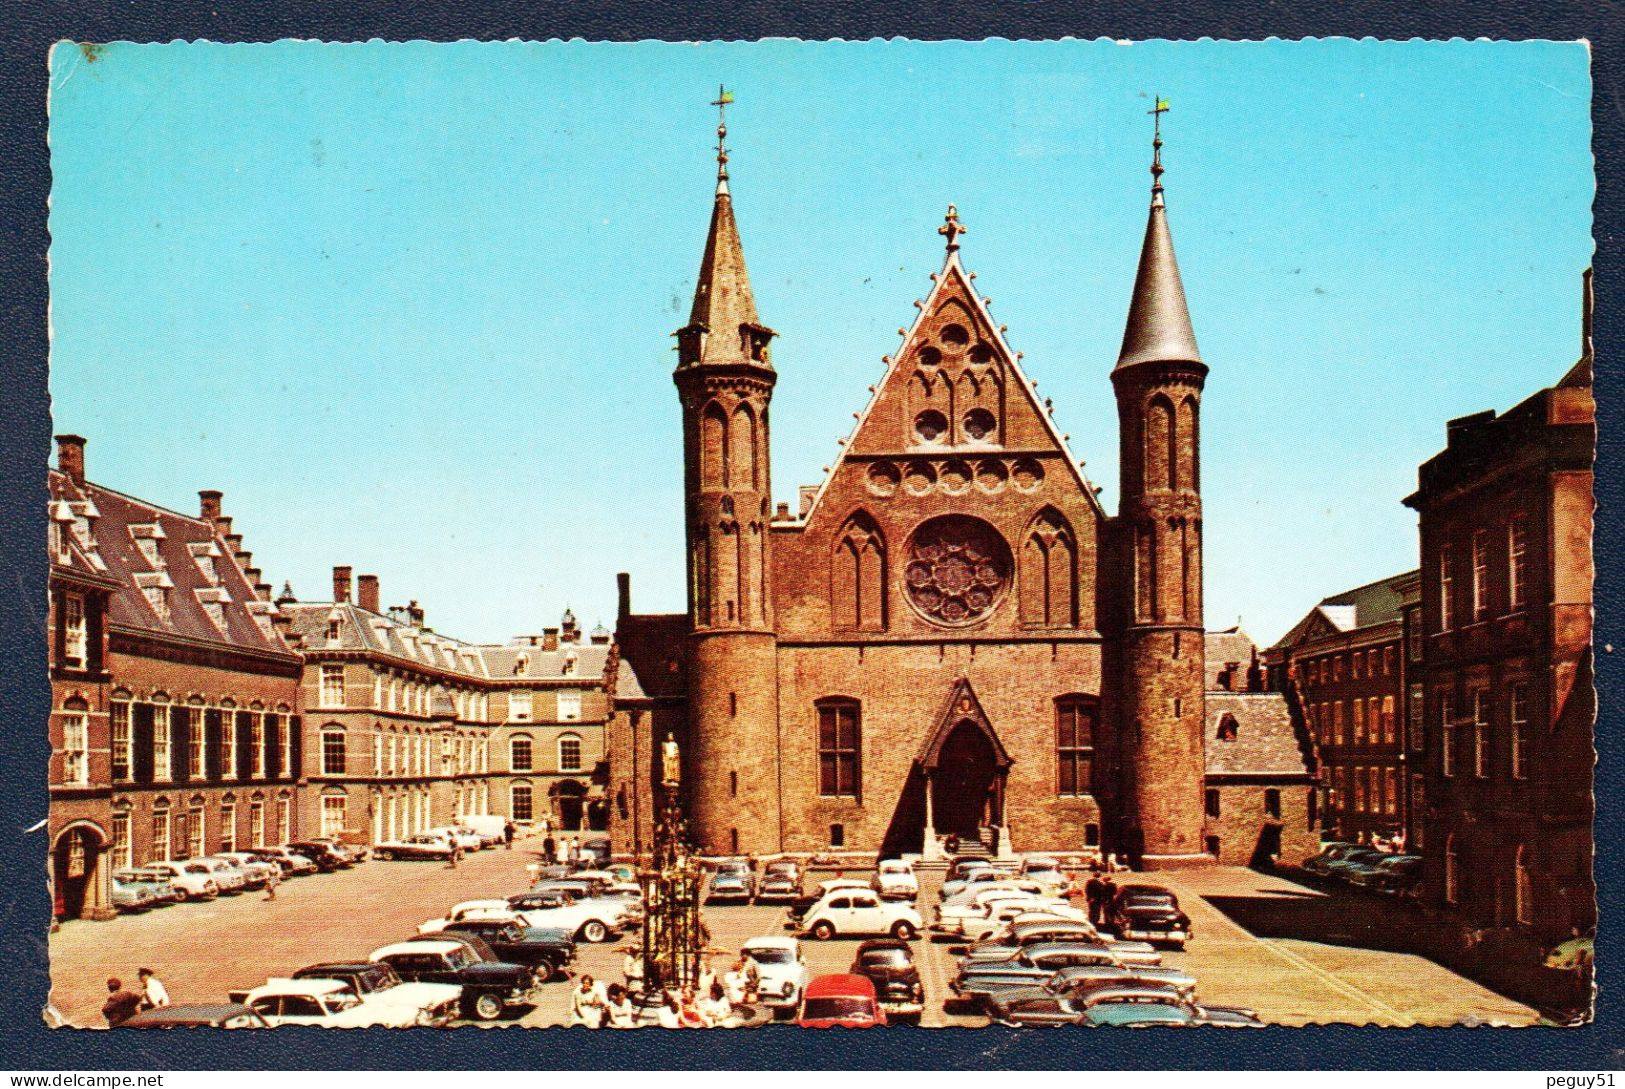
<point>1296,962</point>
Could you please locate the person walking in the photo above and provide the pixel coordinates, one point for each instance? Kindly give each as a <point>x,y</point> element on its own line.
<point>1093,891</point>
<point>153,992</point>
<point>456,855</point>
<point>273,881</point>
<point>121,1005</point>
<point>588,1004</point>
<point>1108,895</point>
<point>550,850</point>
<point>508,830</point>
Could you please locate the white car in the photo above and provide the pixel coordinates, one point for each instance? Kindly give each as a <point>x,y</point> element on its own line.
<point>860,911</point>
<point>192,880</point>
<point>256,870</point>
<point>827,887</point>
<point>1046,871</point>
<point>228,876</point>
<point>895,880</point>
<point>328,1003</point>
<point>291,861</point>
<point>394,1004</point>
<point>423,845</point>
<point>466,838</point>
<point>588,920</point>
<point>781,974</point>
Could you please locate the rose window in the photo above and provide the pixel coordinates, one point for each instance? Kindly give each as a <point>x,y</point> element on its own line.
<point>958,568</point>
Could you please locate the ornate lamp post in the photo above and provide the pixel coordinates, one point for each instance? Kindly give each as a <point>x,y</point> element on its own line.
<point>672,933</point>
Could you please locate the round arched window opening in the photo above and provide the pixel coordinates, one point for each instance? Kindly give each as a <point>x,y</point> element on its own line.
<point>955,335</point>
<point>982,353</point>
<point>930,357</point>
<point>980,425</point>
<point>930,425</point>
<point>958,569</point>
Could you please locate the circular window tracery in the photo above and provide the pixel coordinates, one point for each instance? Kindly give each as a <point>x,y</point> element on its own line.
<point>980,425</point>
<point>930,425</point>
<point>954,335</point>
<point>958,569</point>
<point>930,357</point>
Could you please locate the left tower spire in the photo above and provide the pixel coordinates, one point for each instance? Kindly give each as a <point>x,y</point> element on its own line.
<point>725,382</point>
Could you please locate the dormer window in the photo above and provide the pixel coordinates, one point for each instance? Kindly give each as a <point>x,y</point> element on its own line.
<point>158,598</point>
<point>334,629</point>
<point>149,550</point>
<point>570,664</point>
<point>521,664</point>
<point>1229,728</point>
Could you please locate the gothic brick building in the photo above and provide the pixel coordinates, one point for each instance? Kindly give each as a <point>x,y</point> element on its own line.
<point>951,636</point>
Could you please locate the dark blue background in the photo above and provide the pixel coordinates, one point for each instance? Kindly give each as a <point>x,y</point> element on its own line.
<point>26,33</point>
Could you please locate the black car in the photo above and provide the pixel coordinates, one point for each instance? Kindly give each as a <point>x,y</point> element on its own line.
<point>548,950</point>
<point>489,986</point>
<point>215,1015</point>
<point>1149,913</point>
<point>327,860</point>
<point>889,964</point>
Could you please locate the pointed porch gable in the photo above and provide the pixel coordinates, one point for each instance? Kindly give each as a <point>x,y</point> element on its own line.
<point>962,706</point>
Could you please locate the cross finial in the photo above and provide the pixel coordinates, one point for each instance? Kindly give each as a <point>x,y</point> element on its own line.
<point>724,99</point>
<point>1156,113</point>
<point>951,228</point>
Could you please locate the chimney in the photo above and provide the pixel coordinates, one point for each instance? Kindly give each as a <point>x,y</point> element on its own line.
<point>341,584</point>
<point>208,505</point>
<point>367,593</point>
<point>550,639</point>
<point>570,633</point>
<point>70,457</point>
<point>623,589</point>
<point>414,614</point>
<point>782,512</point>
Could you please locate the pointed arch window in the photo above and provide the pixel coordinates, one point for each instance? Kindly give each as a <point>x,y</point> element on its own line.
<point>1523,887</point>
<point>1452,871</point>
<point>1183,470</point>
<point>1161,444</point>
<point>1048,573</point>
<point>858,576</point>
<point>741,464</point>
<point>713,447</point>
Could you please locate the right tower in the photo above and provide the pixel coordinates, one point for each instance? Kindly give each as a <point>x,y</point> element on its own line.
<point>1158,381</point>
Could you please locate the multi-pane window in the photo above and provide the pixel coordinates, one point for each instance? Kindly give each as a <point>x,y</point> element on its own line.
<point>519,754</point>
<point>569,705</point>
<point>228,827</point>
<point>1415,719</point>
<point>228,748</point>
<point>1339,723</point>
<point>197,742</point>
<point>569,752</point>
<point>520,799</point>
<point>119,728</point>
<point>1074,744</point>
<point>333,815</point>
<point>1518,713</point>
<point>1517,562</point>
<point>161,728</point>
<point>1360,797</point>
<point>194,833</point>
<point>74,644</point>
<point>1452,871</point>
<point>256,823</point>
<point>123,853</point>
<point>1481,733</point>
<point>332,752</point>
<point>1418,811</point>
<point>75,748</point>
<point>1447,588</point>
<point>519,705</point>
<point>287,745</point>
<point>1390,791</point>
<point>160,834</point>
<point>1359,721</point>
<point>332,685</point>
<point>378,753</point>
<point>839,730</point>
<point>1447,739</point>
<point>256,743</point>
<point>1481,574</point>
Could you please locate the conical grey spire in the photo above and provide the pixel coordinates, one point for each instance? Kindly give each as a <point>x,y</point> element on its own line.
<point>1159,323</point>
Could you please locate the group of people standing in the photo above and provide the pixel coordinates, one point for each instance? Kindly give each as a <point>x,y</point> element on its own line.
<point>708,1004</point>
<point>566,849</point>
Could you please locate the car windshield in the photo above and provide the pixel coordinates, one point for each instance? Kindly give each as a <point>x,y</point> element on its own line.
<point>838,1008</point>
<point>886,958</point>
<point>460,957</point>
<point>342,1000</point>
<point>770,956</point>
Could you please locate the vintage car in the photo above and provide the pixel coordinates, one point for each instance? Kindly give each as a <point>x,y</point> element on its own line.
<point>548,950</point>
<point>132,895</point>
<point>1081,979</point>
<point>327,1003</point>
<point>191,880</point>
<point>488,987</point>
<point>954,886</point>
<point>156,882</point>
<point>733,880</point>
<point>1019,935</point>
<point>1151,914</point>
<point>292,862</point>
<point>1129,1010</point>
<point>781,881</point>
<point>327,859</point>
<point>421,846</point>
<point>1046,871</point>
<point>781,974</point>
<point>229,877</point>
<point>857,912</point>
<point>256,871</point>
<point>889,965</point>
<point>589,920</point>
<point>356,853</point>
<point>894,880</point>
<point>1396,875</point>
<point>1038,964</point>
<point>466,838</point>
<point>840,1001</point>
<point>397,1004</point>
<point>803,904</point>
<point>1329,853</point>
<point>197,1015</point>
<point>1344,868</point>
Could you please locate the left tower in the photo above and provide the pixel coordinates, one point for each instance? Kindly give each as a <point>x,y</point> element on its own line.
<point>725,381</point>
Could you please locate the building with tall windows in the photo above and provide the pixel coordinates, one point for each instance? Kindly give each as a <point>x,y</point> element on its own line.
<point>950,636</point>
<point>175,728</point>
<point>1505,801</point>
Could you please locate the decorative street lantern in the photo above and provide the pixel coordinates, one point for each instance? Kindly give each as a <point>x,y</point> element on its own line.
<point>672,933</point>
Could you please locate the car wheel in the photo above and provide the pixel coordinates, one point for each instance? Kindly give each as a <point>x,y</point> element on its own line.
<point>488,1007</point>
<point>181,895</point>
<point>387,856</point>
<point>594,931</point>
<point>823,930</point>
<point>903,930</point>
<point>545,971</point>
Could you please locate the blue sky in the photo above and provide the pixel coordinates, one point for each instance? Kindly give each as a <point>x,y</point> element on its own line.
<point>409,306</point>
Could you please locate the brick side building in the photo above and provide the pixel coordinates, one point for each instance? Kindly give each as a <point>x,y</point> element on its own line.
<point>1506,521</point>
<point>1347,665</point>
<point>175,725</point>
<point>950,635</point>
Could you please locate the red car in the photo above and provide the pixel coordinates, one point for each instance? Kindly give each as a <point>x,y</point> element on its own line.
<point>846,1001</point>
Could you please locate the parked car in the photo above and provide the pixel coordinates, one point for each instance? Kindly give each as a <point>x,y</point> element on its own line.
<point>1151,914</point>
<point>1046,871</point>
<point>1329,853</point>
<point>1081,979</point>
<point>894,880</point>
<point>840,1001</point>
<point>191,880</point>
<point>597,851</point>
<point>781,881</point>
<point>157,882</point>
<point>858,912</point>
<point>466,838</point>
<point>396,1004</point>
<point>129,895</point>
<point>733,880</point>
<point>889,965</point>
<point>228,876</point>
<point>423,845</point>
<point>1343,869</point>
<point>327,859</point>
<point>256,872</point>
<point>356,853</point>
<point>1397,875</point>
<point>589,920</point>
<point>592,919</point>
<point>328,1003</point>
<point>1019,936</point>
<point>781,973</point>
<point>1135,1012</point>
<point>489,987</point>
<point>197,1015</point>
<point>1037,965</point>
<point>980,875</point>
<point>548,950</point>
<point>292,862</point>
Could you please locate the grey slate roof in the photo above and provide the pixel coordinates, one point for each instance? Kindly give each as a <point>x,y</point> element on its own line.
<point>1362,607</point>
<point>1221,647</point>
<point>1267,741</point>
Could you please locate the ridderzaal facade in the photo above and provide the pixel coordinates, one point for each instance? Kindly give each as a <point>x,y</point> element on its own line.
<point>951,637</point>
